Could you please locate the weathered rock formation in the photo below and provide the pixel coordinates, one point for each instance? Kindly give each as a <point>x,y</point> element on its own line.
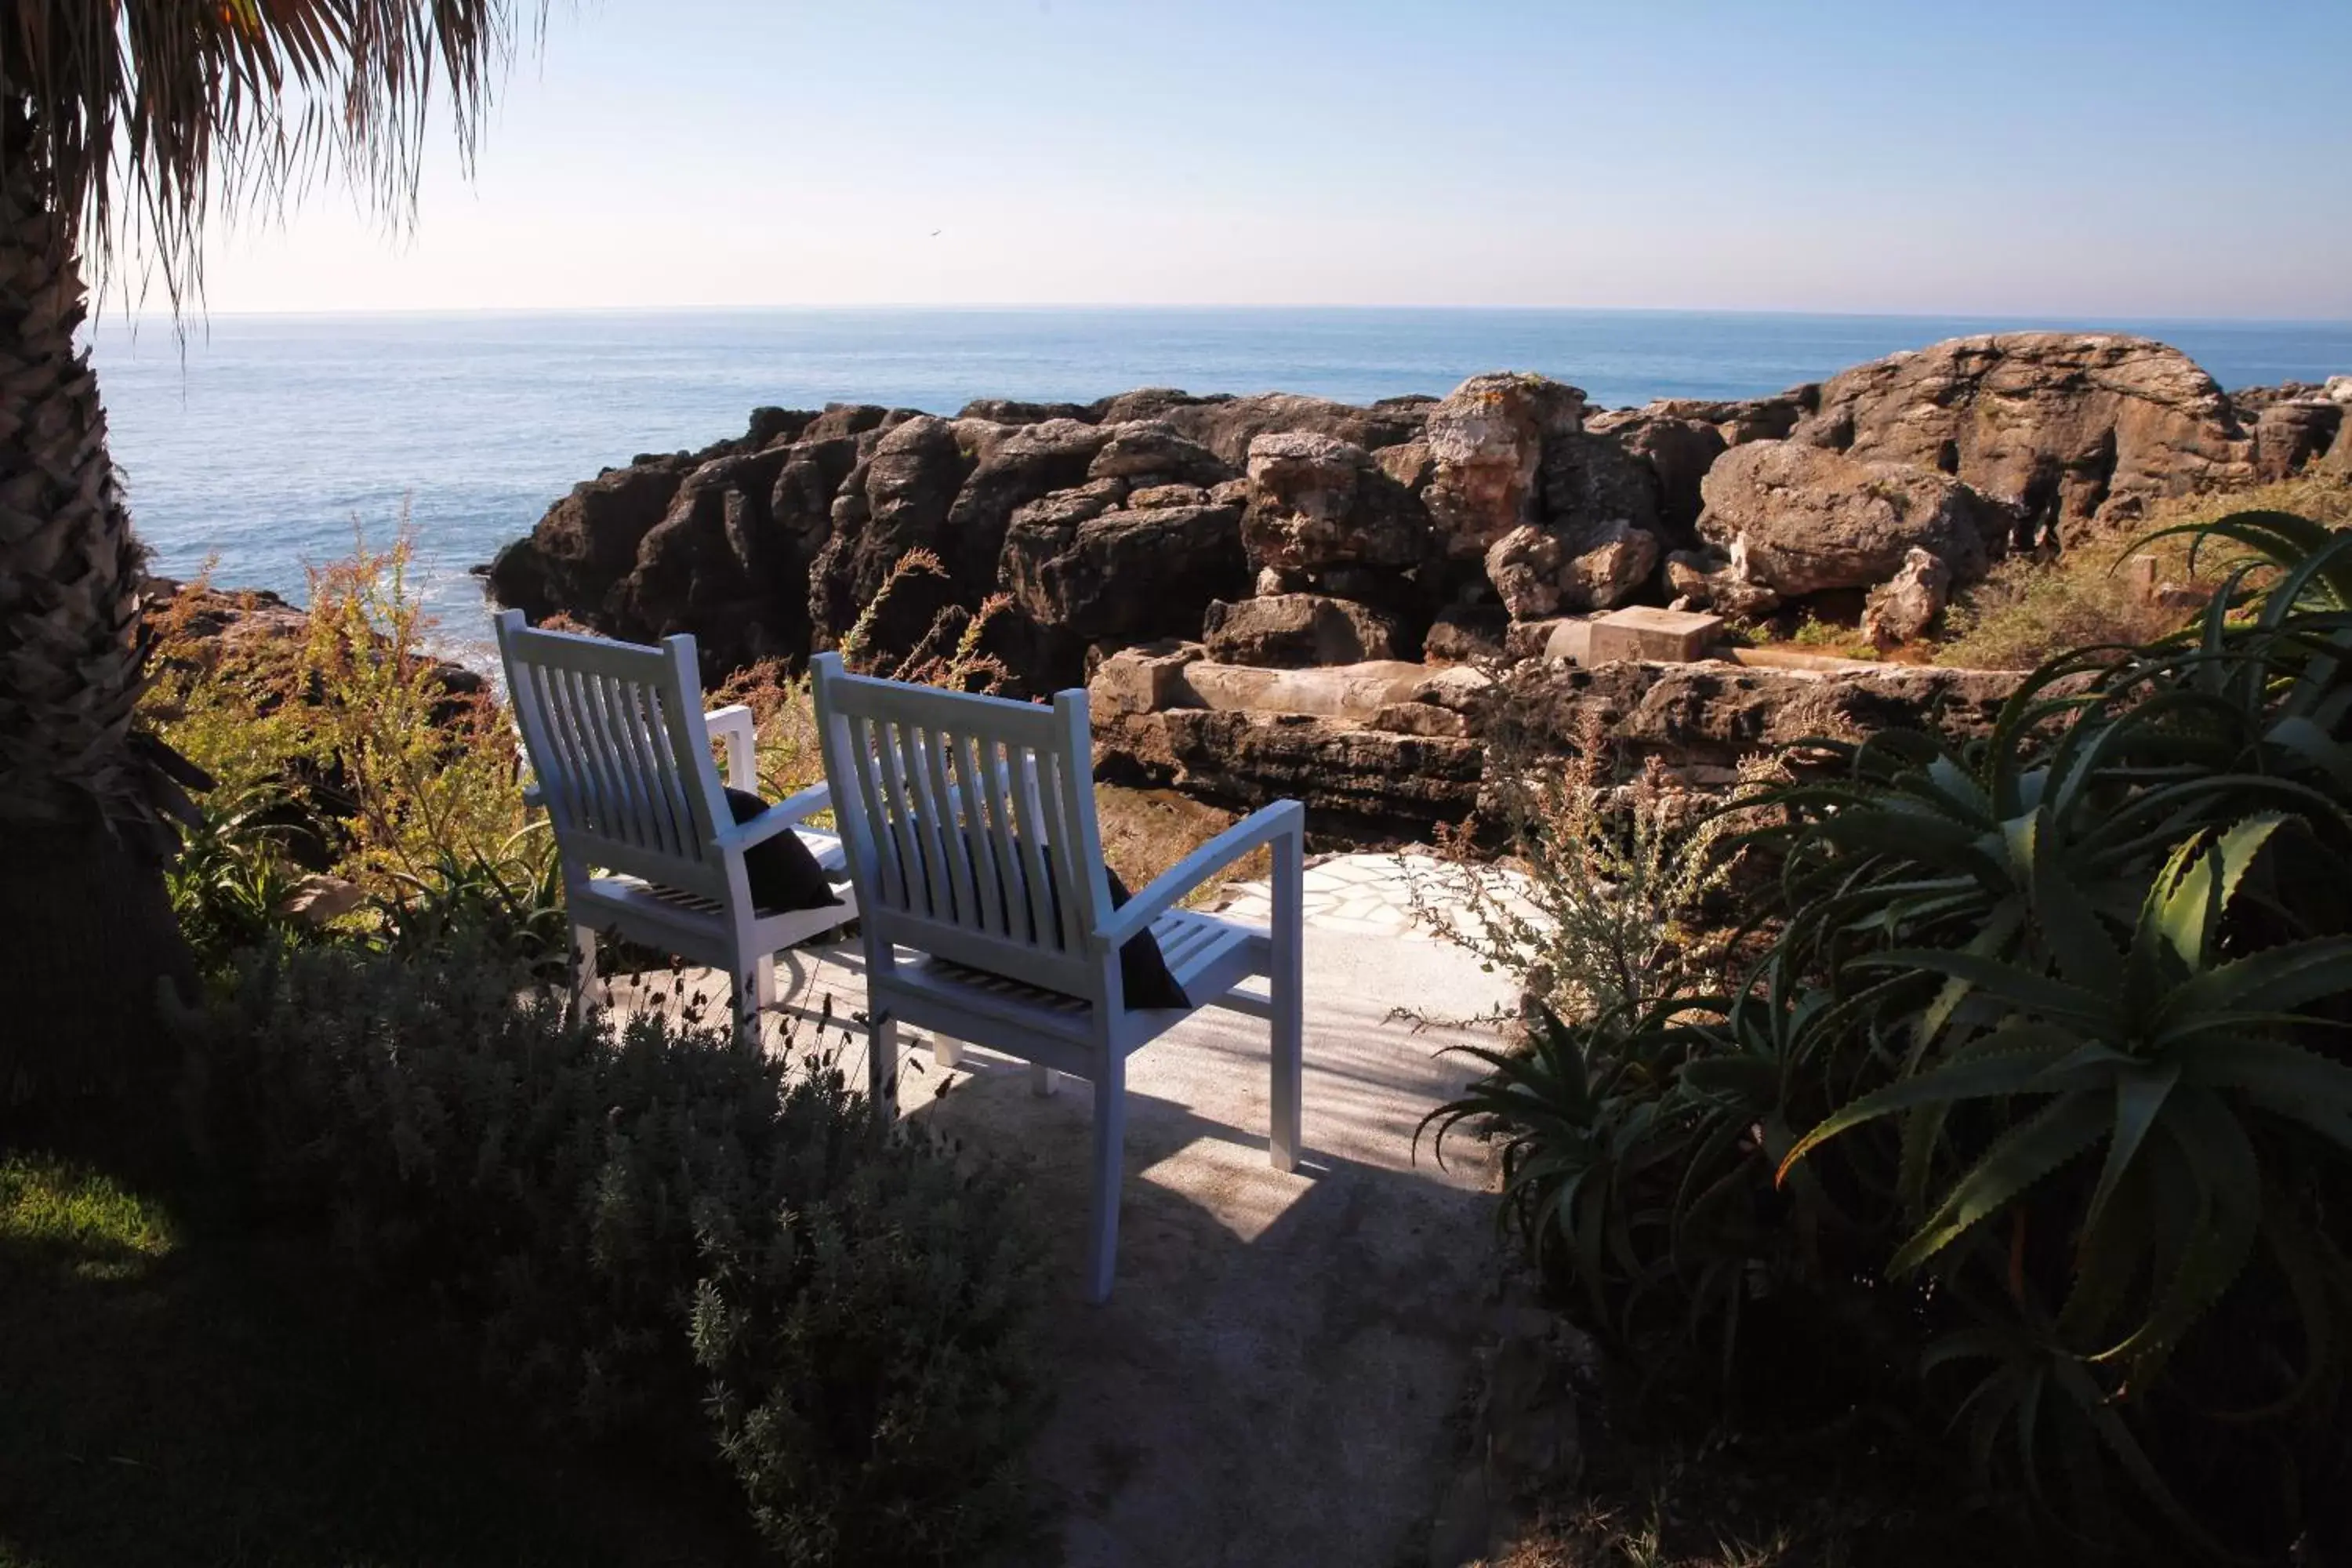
<point>1320,507</point>
<point>2074,428</point>
<point>1795,519</point>
<point>1486,444</point>
<point>2289,434</point>
<point>1393,744</point>
<point>1297,630</point>
<point>1124,575</point>
<point>1906,604</point>
<point>1461,525</point>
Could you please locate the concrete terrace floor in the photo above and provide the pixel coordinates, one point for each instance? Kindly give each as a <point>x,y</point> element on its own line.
<point>1280,1374</point>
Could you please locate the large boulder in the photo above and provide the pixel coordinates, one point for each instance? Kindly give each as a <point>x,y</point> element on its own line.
<point>716,566</point>
<point>2289,434</point>
<point>1317,502</point>
<point>1538,572</point>
<point>1592,484</point>
<point>908,485</point>
<point>1383,742</point>
<point>799,504</point>
<point>1021,464</point>
<point>1123,575</point>
<point>1337,767</point>
<point>1295,630</point>
<point>1154,452</point>
<point>1905,605</point>
<point>1486,443</point>
<point>2075,428</point>
<point>1714,714</point>
<point>1014,411</point>
<point>1802,520</point>
<point>1678,451</point>
<point>588,541</point>
<point>853,419</point>
<point>1227,424</point>
<point>718,542</point>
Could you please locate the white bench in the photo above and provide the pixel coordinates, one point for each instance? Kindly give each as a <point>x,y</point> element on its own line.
<point>619,749</point>
<point>968,824</point>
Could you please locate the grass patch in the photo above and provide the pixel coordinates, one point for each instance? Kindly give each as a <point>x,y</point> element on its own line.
<point>77,1223</point>
<point>173,1394</point>
<point>1146,831</point>
<point>2030,608</point>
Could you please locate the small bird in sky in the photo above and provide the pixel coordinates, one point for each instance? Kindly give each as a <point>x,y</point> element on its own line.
<point>936,233</point>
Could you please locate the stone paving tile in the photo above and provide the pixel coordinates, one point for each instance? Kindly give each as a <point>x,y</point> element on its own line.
<point>1368,894</point>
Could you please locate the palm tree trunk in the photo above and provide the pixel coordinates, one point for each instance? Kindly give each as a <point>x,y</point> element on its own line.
<point>86,928</point>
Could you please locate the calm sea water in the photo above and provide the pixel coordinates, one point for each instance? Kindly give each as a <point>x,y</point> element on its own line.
<point>266,440</point>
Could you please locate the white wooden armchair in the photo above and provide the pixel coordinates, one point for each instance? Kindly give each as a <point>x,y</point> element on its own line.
<point>619,749</point>
<point>968,823</point>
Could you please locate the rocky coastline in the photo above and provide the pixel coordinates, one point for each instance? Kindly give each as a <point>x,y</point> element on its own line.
<point>1277,531</point>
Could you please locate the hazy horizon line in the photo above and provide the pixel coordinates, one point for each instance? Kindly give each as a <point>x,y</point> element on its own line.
<point>199,315</point>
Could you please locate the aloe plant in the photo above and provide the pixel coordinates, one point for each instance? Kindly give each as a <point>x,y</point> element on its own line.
<point>2049,1037</point>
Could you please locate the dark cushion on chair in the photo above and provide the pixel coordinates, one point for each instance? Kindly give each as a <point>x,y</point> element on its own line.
<point>783,874</point>
<point>1144,978</point>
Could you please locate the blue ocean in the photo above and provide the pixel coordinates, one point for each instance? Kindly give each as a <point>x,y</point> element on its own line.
<point>261,442</point>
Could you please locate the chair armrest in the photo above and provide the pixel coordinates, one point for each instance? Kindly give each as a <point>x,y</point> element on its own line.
<point>803,804</point>
<point>733,724</point>
<point>788,812</point>
<point>1284,818</point>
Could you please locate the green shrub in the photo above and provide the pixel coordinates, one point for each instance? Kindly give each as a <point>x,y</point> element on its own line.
<point>2031,608</point>
<point>233,876</point>
<point>2034,1118</point>
<point>652,1227</point>
<point>1609,913</point>
<point>858,1361</point>
<point>339,749</point>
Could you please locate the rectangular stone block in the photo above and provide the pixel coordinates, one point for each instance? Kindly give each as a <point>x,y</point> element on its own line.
<point>1570,640</point>
<point>1146,679</point>
<point>1653,636</point>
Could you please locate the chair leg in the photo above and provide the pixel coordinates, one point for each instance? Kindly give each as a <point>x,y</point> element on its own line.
<point>1286,992</point>
<point>584,969</point>
<point>744,1000</point>
<point>945,1052</point>
<point>1110,1140</point>
<point>882,1071</point>
<point>767,980</point>
<point>1043,1082</point>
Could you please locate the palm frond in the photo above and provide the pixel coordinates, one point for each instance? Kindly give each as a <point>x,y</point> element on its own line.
<point>146,116</point>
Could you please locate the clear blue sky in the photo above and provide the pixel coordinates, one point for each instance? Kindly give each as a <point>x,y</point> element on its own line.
<point>2151,158</point>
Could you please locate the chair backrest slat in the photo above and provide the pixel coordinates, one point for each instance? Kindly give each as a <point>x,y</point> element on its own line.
<point>615,737</point>
<point>953,812</point>
<point>930,842</point>
<point>898,807</point>
<point>627,701</point>
<point>627,820</point>
<point>863,742</point>
<point>680,785</point>
<point>1067,869</point>
<point>979,835</point>
<point>968,822</point>
<point>1029,833</point>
